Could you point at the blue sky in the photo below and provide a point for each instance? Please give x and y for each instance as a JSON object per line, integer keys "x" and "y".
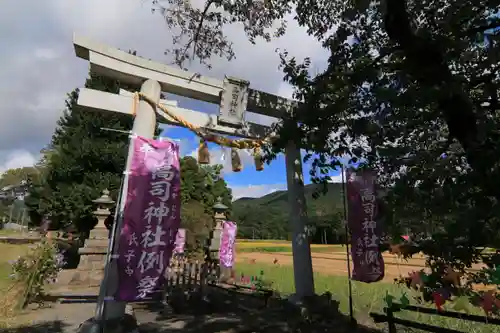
{"x": 248, "y": 182}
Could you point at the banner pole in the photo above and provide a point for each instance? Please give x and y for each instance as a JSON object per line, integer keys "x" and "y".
{"x": 347, "y": 238}
{"x": 100, "y": 308}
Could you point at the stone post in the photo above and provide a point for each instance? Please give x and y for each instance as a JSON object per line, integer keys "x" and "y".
{"x": 219, "y": 217}
{"x": 90, "y": 270}
{"x": 302, "y": 261}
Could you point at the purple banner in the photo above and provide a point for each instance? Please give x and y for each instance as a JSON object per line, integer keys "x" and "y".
{"x": 368, "y": 263}
{"x": 151, "y": 218}
{"x": 180, "y": 241}
{"x": 227, "y": 241}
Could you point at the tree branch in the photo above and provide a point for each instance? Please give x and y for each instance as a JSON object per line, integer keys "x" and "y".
{"x": 200, "y": 25}
{"x": 425, "y": 62}
{"x": 397, "y": 23}
{"x": 482, "y": 28}
{"x": 196, "y": 34}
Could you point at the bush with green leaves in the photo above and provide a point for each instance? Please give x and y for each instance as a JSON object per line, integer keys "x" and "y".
{"x": 36, "y": 269}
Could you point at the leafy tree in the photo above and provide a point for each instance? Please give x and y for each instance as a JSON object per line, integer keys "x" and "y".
{"x": 10, "y": 207}
{"x": 197, "y": 222}
{"x": 19, "y": 175}
{"x": 201, "y": 186}
{"x": 268, "y": 217}
{"x": 406, "y": 83}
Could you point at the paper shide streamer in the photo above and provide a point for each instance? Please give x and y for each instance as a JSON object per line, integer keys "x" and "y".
{"x": 203, "y": 153}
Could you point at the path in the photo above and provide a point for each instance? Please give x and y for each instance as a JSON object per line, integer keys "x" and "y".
{"x": 58, "y": 318}
{"x": 234, "y": 313}
{"x": 224, "y": 313}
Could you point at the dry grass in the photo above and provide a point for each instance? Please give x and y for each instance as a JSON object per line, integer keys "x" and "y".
{"x": 243, "y": 243}
{"x": 273, "y": 242}
{"x": 9, "y": 305}
{"x": 10, "y": 292}
{"x": 279, "y": 246}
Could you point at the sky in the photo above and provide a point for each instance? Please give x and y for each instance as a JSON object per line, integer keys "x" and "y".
{"x": 38, "y": 68}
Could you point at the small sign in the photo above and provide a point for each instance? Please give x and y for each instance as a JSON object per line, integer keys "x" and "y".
{"x": 233, "y": 102}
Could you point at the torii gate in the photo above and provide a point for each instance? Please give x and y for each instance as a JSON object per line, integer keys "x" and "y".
{"x": 152, "y": 78}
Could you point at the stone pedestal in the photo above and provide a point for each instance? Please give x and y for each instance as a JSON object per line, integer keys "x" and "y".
{"x": 90, "y": 270}
{"x": 216, "y": 235}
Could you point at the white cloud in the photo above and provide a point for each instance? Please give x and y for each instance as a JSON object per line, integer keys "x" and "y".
{"x": 255, "y": 191}
{"x": 336, "y": 179}
{"x": 285, "y": 90}
{"x": 39, "y": 67}
{"x": 17, "y": 159}
{"x": 46, "y": 54}
{"x": 220, "y": 155}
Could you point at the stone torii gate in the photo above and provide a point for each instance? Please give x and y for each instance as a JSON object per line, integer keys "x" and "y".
{"x": 234, "y": 98}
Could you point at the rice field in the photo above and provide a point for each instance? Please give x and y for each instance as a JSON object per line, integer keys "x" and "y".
{"x": 279, "y": 246}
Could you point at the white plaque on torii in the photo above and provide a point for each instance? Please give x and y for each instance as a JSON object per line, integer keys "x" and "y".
{"x": 233, "y": 102}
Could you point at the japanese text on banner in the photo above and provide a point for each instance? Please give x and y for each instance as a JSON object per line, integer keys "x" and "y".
{"x": 227, "y": 241}
{"x": 368, "y": 265}
{"x": 151, "y": 218}
{"x": 180, "y": 241}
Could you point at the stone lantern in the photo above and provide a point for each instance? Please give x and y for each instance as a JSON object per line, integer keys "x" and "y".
{"x": 220, "y": 211}
{"x": 103, "y": 206}
{"x": 90, "y": 271}
{"x": 219, "y": 217}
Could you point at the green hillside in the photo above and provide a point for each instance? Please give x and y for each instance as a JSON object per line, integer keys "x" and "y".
{"x": 267, "y": 217}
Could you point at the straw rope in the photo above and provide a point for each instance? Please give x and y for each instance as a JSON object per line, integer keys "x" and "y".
{"x": 255, "y": 144}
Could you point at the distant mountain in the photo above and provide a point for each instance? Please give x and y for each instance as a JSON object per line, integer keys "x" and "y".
{"x": 244, "y": 199}
{"x": 267, "y": 217}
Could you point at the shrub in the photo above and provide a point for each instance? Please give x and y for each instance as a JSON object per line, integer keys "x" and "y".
{"x": 34, "y": 270}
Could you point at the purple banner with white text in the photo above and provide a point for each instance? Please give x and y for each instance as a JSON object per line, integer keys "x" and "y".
{"x": 368, "y": 263}
{"x": 180, "y": 241}
{"x": 151, "y": 218}
{"x": 227, "y": 242}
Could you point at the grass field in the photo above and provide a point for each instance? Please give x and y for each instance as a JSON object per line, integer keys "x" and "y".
{"x": 8, "y": 295}
{"x": 366, "y": 297}
{"x": 8, "y": 232}
{"x": 8, "y": 252}
{"x": 279, "y": 246}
